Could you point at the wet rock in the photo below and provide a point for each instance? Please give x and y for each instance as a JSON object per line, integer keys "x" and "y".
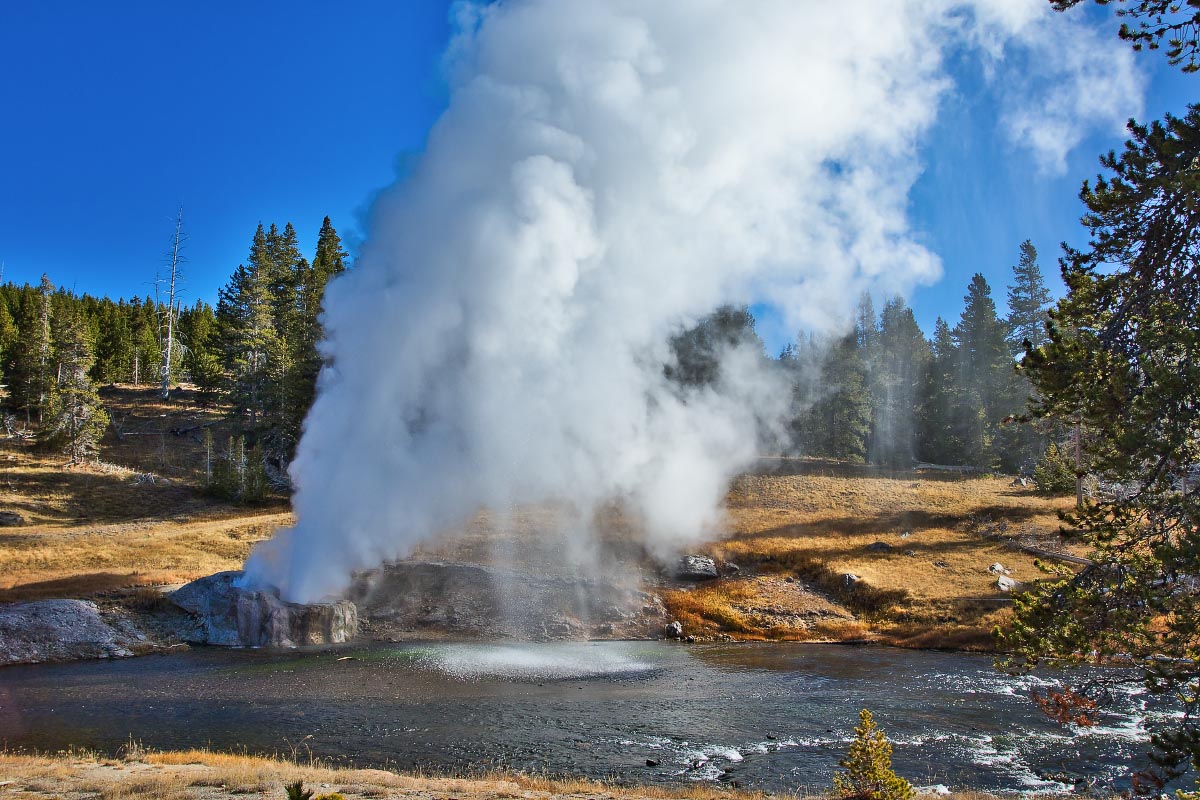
{"x": 64, "y": 630}
{"x": 9, "y": 519}
{"x": 651, "y": 762}
{"x": 879, "y": 547}
{"x": 417, "y": 599}
{"x": 234, "y": 617}
{"x": 696, "y": 568}
{"x": 674, "y": 629}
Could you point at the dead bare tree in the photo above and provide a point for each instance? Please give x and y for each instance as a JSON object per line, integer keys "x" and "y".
{"x": 169, "y": 316}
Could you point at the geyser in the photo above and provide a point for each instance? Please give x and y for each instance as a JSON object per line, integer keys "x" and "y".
{"x": 606, "y": 174}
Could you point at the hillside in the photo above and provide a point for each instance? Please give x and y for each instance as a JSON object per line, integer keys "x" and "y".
{"x": 920, "y": 544}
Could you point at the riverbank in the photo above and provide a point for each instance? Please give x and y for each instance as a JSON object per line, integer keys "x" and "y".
{"x": 206, "y": 775}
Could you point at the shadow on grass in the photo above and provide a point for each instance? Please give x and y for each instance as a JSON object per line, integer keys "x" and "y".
{"x": 78, "y": 587}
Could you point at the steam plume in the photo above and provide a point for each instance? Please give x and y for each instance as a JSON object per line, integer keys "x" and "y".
{"x": 605, "y": 175}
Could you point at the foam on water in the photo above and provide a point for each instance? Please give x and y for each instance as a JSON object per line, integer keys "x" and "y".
{"x": 525, "y": 661}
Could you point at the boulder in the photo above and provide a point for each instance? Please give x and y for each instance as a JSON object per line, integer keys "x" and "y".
{"x": 999, "y": 569}
{"x": 9, "y": 519}
{"x": 62, "y": 630}
{"x": 1006, "y": 584}
{"x": 879, "y": 547}
{"x": 696, "y": 568}
{"x": 231, "y": 616}
{"x": 674, "y": 629}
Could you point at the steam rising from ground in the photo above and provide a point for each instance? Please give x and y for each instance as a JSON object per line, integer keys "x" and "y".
{"x": 605, "y": 175}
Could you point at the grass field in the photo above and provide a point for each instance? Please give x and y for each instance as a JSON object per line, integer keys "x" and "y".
{"x": 804, "y": 526}
{"x": 137, "y": 518}
{"x": 794, "y": 527}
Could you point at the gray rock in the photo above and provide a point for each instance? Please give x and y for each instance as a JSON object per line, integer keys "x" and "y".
{"x": 9, "y": 519}
{"x": 61, "y": 630}
{"x": 1006, "y": 584}
{"x": 419, "y": 599}
{"x": 999, "y": 569}
{"x": 910, "y": 553}
{"x": 236, "y": 617}
{"x": 879, "y": 547}
{"x": 850, "y": 579}
{"x": 674, "y": 629}
{"x": 696, "y": 568}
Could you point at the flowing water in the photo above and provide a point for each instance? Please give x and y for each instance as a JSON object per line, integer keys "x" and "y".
{"x": 774, "y": 716}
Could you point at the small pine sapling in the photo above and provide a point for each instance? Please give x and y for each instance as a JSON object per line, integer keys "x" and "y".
{"x": 868, "y": 771}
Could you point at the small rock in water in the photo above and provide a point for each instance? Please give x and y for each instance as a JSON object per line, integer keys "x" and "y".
{"x": 772, "y": 736}
{"x": 696, "y": 568}
{"x": 651, "y": 762}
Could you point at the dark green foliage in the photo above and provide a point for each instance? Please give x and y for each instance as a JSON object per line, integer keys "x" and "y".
{"x": 1175, "y": 23}
{"x": 1054, "y": 472}
{"x": 74, "y": 419}
{"x": 1028, "y": 300}
{"x": 236, "y": 473}
{"x": 984, "y": 384}
{"x": 199, "y": 335}
{"x": 901, "y": 360}
{"x": 867, "y": 767}
{"x": 296, "y": 791}
{"x": 699, "y": 349}
{"x": 1122, "y": 361}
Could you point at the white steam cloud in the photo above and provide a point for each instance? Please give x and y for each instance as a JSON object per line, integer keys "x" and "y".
{"x": 605, "y": 175}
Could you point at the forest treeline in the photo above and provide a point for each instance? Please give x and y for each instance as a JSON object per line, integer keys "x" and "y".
{"x": 882, "y": 393}
{"x": 256, "y": 351}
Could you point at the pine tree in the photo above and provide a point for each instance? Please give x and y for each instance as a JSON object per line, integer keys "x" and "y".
{"x": 198, "y": 333}
{"x": 901, "y": 363}
{"x": 1028, "y": 300}
{"x": 939, "y": 442}
{"x": 984, "y": 395}
{"x": 306, "y": 361}
{"x": 842, "y": 417}
{"x": 1121, "y": 359}
{"x": 75, "y": 419}
{"x": 1021, "y": 443}
{"x": 248, "y": 336}
{"x": 867, "y": 767}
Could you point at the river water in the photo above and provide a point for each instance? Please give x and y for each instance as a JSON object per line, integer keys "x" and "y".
{"x": 770, "y": 716}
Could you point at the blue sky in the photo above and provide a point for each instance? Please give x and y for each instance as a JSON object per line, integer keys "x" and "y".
{"x": 112, "y": 115}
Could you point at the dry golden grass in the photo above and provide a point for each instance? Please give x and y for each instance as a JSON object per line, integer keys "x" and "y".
{"x": 98, "y": 527}
{"x": 932, "y": 589}
{"x": 195, "y": 774}
{"x": 207, "y": 775}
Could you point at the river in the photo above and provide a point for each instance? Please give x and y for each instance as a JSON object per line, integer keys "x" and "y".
{"x": 771, "y": 716}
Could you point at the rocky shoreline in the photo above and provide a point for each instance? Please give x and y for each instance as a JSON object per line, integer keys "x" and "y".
{"x": 400, "y": 602}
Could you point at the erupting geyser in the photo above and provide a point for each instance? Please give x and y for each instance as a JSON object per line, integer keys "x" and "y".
{"x": 605, "y": 175}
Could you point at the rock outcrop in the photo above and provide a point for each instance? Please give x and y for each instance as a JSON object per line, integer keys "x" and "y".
{"x": 66, "y": 630}
{"x": 225, "y": 614}
{"x": 696, "y": 568}
{"x": 417, "y": 599}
